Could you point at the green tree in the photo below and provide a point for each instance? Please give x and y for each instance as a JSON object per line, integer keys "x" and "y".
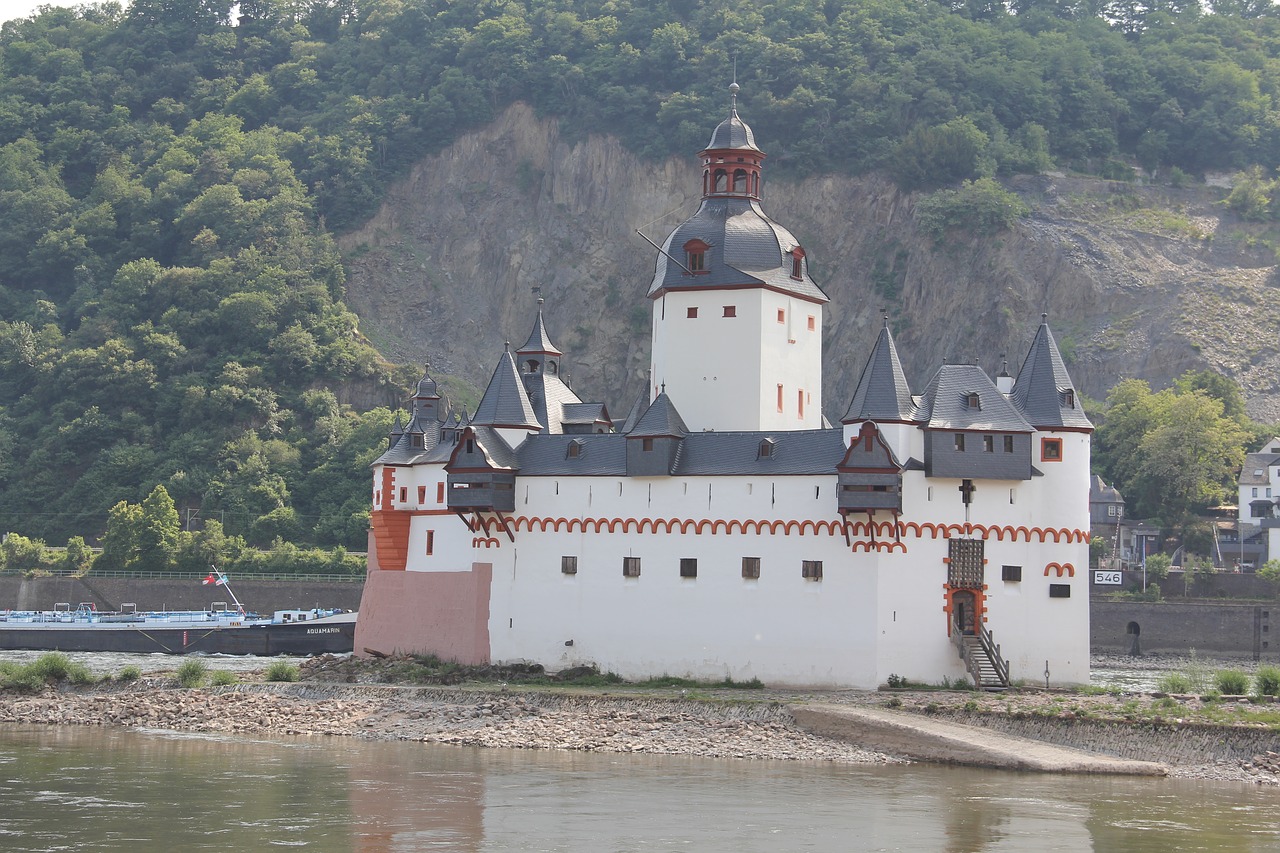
{"x": 158, "y": 527}
{"x": 77, "y": 558}
{"x": 120, "y": 542}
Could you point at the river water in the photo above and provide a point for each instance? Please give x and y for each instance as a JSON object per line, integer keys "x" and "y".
{"x": 111, "y": 789}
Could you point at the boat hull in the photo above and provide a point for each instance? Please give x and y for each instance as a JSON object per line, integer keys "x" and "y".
{"x": 331, "y": 635}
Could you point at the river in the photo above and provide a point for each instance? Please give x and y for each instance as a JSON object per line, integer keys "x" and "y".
{"x": 109, "y": 789}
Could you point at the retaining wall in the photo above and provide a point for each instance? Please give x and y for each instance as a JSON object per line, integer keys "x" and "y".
{"x": 1240, "y": 629}
{"x": 18, "y": 593}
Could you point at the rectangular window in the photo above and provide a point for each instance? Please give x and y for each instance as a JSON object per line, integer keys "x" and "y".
{"x": 691, "y": 313}
{"x": 813, "y": 323}
{"x": 422, "y": 495}
{"x": 631, "y": 567}
{"x": 780, "y": 410}
{"x": 751, "y": 568}
{"x": 1008, "y": 444}
{"x": 960, "y": 442}
{"x": 688, "y": 567}
{"x": 731, "y": 310}
{"x": 439, "y": 493}
{"x": 1050, "y": 450}
{"x": 646, "y": 444}
{"x": 1011, "y": 573}
{"x": 568, "y": 565}
{"x": 404, "y": 494}
{"x": 988, "y": 444}
{"x": 811, "y": 570}
{"x": 782, "y": 315}
{"x": 1255, "y": 492}
{"x": 1059, "y": 590}
{"x": 1111, "y": 510}
{"x": 431, "y": 542}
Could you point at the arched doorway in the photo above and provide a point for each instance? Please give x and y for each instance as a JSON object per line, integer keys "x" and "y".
{"x": 1134, "y": 630}
{"x": 964, "y": 611}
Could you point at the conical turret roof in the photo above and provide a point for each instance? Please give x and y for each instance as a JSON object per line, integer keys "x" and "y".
{"x": 539, "y": 341}
{"x": 505, "y": 403}
{"x": 882, "y": 393}
{"x": 1043, "y": 389}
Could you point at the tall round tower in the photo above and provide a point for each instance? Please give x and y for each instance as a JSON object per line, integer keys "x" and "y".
{"x": 737, "y": 321}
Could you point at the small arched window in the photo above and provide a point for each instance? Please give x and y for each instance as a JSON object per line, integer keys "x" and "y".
{"x": 531, "y": 366}
{"x": 721, "y": 180}
{"x": 740, "y": 181}
{"x": 695, "y": 252}
{"x": 797, "y": 263}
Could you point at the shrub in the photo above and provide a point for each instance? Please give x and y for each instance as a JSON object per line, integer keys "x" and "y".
{"x": 1173, "y": 682}
{"x": 979, "y": 207}
{"x": 192, "y": 673}
{"x": 222, "y": 678}
{"x": 1232, "y": 682}
{"x": 130, "y": 673}
{"x": 281, "y": 671}
{"x": 1267, "y": 681}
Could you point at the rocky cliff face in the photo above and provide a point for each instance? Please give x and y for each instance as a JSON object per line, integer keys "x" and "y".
{"x": 1137, "y": 282}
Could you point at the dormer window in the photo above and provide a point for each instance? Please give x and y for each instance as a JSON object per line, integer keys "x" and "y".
{"x": 575, "y": 449}
{"x": 695, "y": 253}
{"x": 416, "y": 439}
{"x": 766, "y": 448}
{"x": 972, "y": 401}
{"x": 797, "y": 263}
{"x": 1067, "y": 396}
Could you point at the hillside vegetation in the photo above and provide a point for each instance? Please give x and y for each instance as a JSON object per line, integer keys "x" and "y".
{"x": 171, "y": 298}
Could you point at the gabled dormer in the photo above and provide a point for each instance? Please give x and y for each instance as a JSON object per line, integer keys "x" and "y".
{"x": 481, "y": 473}
{"x": 869, "y": 476}
{"x": 653, "y": 447}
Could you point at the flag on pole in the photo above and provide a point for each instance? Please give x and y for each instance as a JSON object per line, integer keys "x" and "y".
{"x": 214, "y": 579}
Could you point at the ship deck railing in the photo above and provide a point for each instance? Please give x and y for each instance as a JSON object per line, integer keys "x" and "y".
{"x": 199, "y": 576}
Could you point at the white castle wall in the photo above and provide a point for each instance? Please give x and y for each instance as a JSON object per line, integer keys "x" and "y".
{"x": 722, "y": 373}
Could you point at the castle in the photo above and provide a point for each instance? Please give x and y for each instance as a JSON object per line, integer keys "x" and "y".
{"x": 724, "y": 529}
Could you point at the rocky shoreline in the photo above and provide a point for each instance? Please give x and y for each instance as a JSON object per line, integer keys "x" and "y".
{"x": 756, "y": 724}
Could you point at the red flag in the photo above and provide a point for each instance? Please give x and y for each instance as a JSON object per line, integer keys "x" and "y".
{"x": 211, "y": 579}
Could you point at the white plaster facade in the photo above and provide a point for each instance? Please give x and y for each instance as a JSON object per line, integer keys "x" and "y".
{"x": 502, "y": 544}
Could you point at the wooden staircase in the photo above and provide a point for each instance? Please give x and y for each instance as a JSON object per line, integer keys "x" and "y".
{"x": 981, "y": 656}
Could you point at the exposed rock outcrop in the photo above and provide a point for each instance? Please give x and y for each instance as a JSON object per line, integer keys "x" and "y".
{"x": 1138, "y": 281}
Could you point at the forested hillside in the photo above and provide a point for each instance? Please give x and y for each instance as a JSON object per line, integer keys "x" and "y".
{"x": 171, "y": 181}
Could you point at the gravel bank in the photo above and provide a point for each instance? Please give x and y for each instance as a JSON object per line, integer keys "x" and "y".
{"x": 755, "y": 730}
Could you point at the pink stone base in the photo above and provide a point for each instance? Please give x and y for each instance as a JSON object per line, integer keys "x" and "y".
{"x": 440, "y": 613}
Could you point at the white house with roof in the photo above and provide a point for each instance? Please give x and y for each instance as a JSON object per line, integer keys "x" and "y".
{"x": 724, "y": 529}
{"x": 1260, "y": 494}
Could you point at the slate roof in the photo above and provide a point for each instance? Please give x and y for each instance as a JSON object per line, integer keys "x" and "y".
{"x": 944, "y": 404}
{"x": 549, "y": 397}
{"x": 638, "y": 408}
{"x": 1100, "y": 492}
{"x": 427, "y": 386}
{"x": 660, "y": 420}
{"x": 882, "y": 393}
{"x": 1039, "y": 389}
{"x": 747, "y": 249}
{"x": 539, "y": 341}
{"x": 497, "y": 453}
{"x": 1256, "y": 468}
{"x": 505, "y": 402}
{"x": 733, "y": 133}
{"x": 794, "y": 453}
{"x": 586, "y": 413}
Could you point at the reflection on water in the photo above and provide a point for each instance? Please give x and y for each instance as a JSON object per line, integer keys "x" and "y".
{"x": 114, "y": 789}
